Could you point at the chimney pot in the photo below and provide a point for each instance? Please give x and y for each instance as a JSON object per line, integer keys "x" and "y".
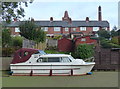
{"x": 32, "y": 19}
{"x": 87, "y": 19}
{"x": 70, "y": 20}
{"x": 51, "y": 19}
{"x": 99, "y": 14}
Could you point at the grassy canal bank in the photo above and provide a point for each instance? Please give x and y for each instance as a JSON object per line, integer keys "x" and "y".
{"x": 97, "y": 79}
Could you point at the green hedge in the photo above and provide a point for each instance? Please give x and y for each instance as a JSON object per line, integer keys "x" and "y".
{"x": 83, "y": 51}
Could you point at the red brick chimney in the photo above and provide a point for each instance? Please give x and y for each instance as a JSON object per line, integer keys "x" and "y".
{"x": 70, "y": 21}
{"x": 32, "y": 19}
{"x": 51, "y": 19}
{"x": 87, "y": 19}
{"x": 99, "y": 14}
{"x": 66, "y": 16}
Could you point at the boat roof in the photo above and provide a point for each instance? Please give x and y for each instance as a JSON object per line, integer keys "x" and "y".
{"x": 55, "y": 55}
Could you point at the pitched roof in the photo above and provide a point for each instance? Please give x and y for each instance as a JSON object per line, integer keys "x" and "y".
{"x": 64, "y": 24}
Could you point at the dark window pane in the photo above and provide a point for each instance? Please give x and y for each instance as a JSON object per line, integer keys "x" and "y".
{"x": 54, "y": 59}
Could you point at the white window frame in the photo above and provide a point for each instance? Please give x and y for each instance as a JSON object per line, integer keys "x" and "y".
{"x": 56, "y": 29}
{"x": 74, "y": 29}
{"x": 82, "y": 28}
{"x": 17, "y": 29}
{"x": 83, "y": 39}
{"x": 104, "y": 28}
{"x": 44, "y": 28}
{"x": 95, "y": 28}
{"x": 66, "y": 29}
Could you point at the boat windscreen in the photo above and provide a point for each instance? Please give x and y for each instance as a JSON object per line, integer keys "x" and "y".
{"x": 71, "y": 58}
{"x": 42, "y": 52}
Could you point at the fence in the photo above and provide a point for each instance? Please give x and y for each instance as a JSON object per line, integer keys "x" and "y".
{"x": 107, "y": 59}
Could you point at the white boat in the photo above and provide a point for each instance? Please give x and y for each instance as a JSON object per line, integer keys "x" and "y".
{"x": 35, "y": 62}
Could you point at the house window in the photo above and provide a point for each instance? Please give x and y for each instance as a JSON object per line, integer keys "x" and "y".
{"x": 44, "y": 28}
{"x": 83, "y": 39}
{"x": 83, "y": 28}
{"x": 66, "y": 29}
{"x": 95, "y": 28}
{"x": 74, "y": 29}
{"x": 104, "y": 28}
{"x": 17, "y": 29}
{"x": 56, "y": 28}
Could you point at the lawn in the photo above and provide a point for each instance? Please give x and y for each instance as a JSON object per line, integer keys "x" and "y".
{"x": 97, "y": 79}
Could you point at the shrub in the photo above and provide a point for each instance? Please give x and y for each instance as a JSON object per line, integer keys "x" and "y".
{"x": 6, "y": 38}
{"x": 17, "y": 41}
{"x": 83, "y": 51}
{"x": 108, "y": 44}
{"x": 115, "y": 40}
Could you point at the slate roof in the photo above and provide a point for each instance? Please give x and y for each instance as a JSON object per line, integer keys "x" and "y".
{"x": 64, "y": 24}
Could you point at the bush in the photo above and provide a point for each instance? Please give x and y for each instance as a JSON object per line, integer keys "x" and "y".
{"x": 6, "y": 38}
{"x": 115, "y": 40}
{"x": 9, "y": 51}
{"x": 108, "y": 44}
{"x": 17, "y": 41}
{"x": 83, "y": 51}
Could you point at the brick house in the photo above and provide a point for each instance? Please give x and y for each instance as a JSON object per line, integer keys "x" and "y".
{"x": 65, "y": 45}
{"x": 65, "y": 26}
{"x": 84, "y": 40}
{"x": 68, "y": 45}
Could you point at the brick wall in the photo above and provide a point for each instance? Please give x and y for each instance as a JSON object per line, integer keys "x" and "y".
{"x": 88, "y": 41}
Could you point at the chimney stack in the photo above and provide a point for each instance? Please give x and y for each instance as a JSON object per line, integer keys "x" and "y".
{"x": 99, "y": 14}
{"x": 87, "y": 19}
{"x": 51, "y": 19}
{"x": 70, "y": 20}
{"x": 66, "y": 16}
{"x": 32, "y": 19}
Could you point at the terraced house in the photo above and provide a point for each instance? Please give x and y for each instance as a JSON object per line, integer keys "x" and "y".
{"x": 66, "y": 26}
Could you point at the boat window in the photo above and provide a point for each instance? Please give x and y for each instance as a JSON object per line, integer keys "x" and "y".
{"x": 71, "y": 58}
{"x": 50, "y": 59}
{"x": 40, "y": 52}
{"x": 39, "y": 60}
{"x": 20, "y": 54}
{"x": 65, "y": 59}
{"x": 42, "y": 59}
{"x": 53, "y": 59}
{"x": 25, "y": 53}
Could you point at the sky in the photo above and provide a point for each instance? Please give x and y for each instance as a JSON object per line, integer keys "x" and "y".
{"x": 77, "y": 10}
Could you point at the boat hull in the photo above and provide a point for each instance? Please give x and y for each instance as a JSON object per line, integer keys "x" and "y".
{"x": 49, "y": 70}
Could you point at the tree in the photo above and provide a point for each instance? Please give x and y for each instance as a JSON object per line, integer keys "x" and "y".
{"x": 83, "y": 51}
{"x": 6, "y": 38}
{"x": 114, "y": 28}
{"x": 114, "y": 32}
{"x": 31, "y": 31}
{"x": 12, "y": 10}
{"x": 104, "y": 34}
{"x": 17, "y": 41}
